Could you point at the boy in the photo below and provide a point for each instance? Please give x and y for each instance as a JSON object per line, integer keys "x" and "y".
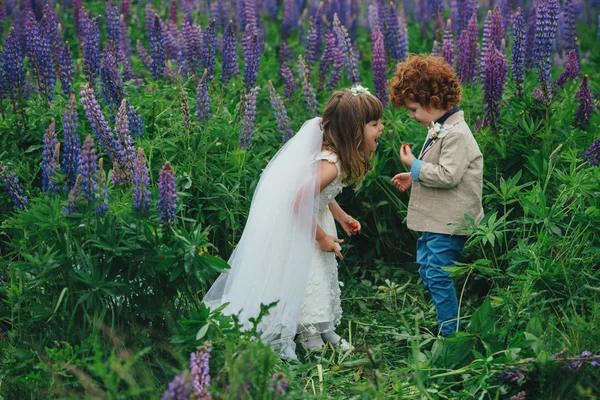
{"x": 446, "y": 179}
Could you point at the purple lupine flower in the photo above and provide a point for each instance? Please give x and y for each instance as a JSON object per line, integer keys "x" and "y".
{"x": 288, "y": 79}
{"x": 113, "y": 22}
{"x": 136, "y": 125}
{"x": 49, "y": 27}
{"x": 345, "y": 44}
{"x": 592, "y": 154}
{"x": 74, "y": 197}
{"x": 435, "y": 49}
{"x": 209, "y": 50}
{"x": 290, "y": 17}
{"x": 13, "y": 71}
{"x": 571, "y": 71}
{"x": 11, "y": 184}
{"x": 336, "y": 71}
{"x": 100, "y": 127}
{"x": 518, "y": 51}
{"x": 91, "y": 49}
{"x": 141, "y": 180}
{"x": 586, "y": 103}
{"x": 65, "y": 68}
{"x": 373, "y": 16}
{"x": 466, "y": 61}
{"x": 144, "y": 56}
{"x": 126, "y": 10}
{"x": 545, "y": 31}
{"x": 123, "y": 134}
{"x": 72, "y": 146}
{"x": 123, "y": 51}
{"x": 200, "y": 370}
{"x": 191, "y": 46}
{"x": 448, "y": 44}
{"x": 88, "y": 170}
{"x": 530, "y": 59}
{"x": 230, "y": 61}
{"x": 39, "y": 54}
{"x": 326, "y": 59}
{"x": 250, "y": 15}
{"x": 379, "y": 65}
{"x": 149, "y": 14}
{"x": 252, "y": 61}
{"x": 513, "y": 376}
{"x": 172, "y": 19}
{"x": 178, "y": 389}
{"x": 102, "y": 194}
{"x": 248, "y": 117}
{"x": 402, "y": 38}
{"x": 203, "y": 100}
{"x": 286, "y": 52}
{"x": 185, "y": 107}
{"x": 570, "y": 31}
{"x": 167, "y": 190}
{"x": 158, "y": 51}
{"x": 50, "y": 160}
{"x": 312, "y": 40}
{"x": 111, "y": 83}
{"x": 281, "y": 116}
{"x": 485, "y": 42}
{"x": 309, "y": 92}
{"x": 496, "y": 68}
{"x": 279, "y": 384}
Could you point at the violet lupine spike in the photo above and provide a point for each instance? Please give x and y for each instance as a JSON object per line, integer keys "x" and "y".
{"x": 312, "y": 38}
{"x": 50, "y": 164}
{"x": 125, "y": 10}
{"x": 11, "y": 184}
{"x": 248, "y": 117}
{"x": 72, "y": 147}
{"x": 448, "y": 44}
{"x": 592, "y": 154}
{"x": 209, "y": 50}
{"x": 230, "y": 61}
{"x": 39, "y": 54}
{"x": 373, "y": 16}
{"x": 336, "y": 71}
{"x": 309, "y": 92}
{"x": 178, "y": 389}
{"x": 279, "y": 385}
{"x": 518, "y": 51}
{"x": 49, "y": 27}
{"x": 252, "y": 61}
{"x": 545, "y": 33}
{"x": 346, "y": 46}
{"x": 200, "y": 370}
{"x": 570, "y": 31}
{"x": 171, "y": 35}
{"x": 149, "y": 14}
{"x": 185, "y": 107}
{"x": 288, "y": 79}
{"x": 326, "y": 59}
{"x": 136, "y": 125}
{"x": 65, "y": 68}
{"x": 102, "y": 193}
{"x": 144, "y": 56}
{"x": 485, "y": 42}
{"x": 281, "y": 116}
{"x": 172, "y": 19}
{"x": 13, "y": 70}
{"x": 91, "y": 49}
{"x": 496, "y": 68}
{"x": 530, "y": 57}
{"x": 392, "y": 33}
{"x": 123, "y": 133}
{"x": 111, "y": 83}
{"x": 158, "y": 50}
{"x": 141, "y": 181}
{"x": 290, "y": 17}
{"x": 571, "y": 71}
{"x": 402, "y": 39}
{"x": 191, "y": 46}
{"x": 586, "y": 103}
{"x": 286, "y": 52}
{"x": 497, "y": 28}
{"x": 379, "y": 66}
{"x": 74, "y": 197}
{"x": 113, "y": 22}
{"x": 100, "y": 127}
{"x": 466, "y": 60}
{"x": 167, "y": 191}
{"x": 88, "y": 170}
{"x": 203, "y": 100}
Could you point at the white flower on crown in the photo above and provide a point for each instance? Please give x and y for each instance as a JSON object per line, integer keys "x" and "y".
{"x": 437, "y": 130}
{"x": 358, "y": 89}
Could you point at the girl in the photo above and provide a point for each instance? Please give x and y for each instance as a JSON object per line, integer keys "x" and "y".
{"x": 286, "y": 255}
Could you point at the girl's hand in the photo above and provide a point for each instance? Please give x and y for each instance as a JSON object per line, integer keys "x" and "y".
{"x": 403, "y": 181}
{"x": 350, "y": 225}
{"x": 329, "y": 244}
{"x": 406, "y": 155}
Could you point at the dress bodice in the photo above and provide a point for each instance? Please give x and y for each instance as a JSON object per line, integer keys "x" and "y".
{"x": 335, "y": 187}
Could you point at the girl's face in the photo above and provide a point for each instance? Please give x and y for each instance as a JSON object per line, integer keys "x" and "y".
{"x": 424, "y": 116}
{"x": 372, "y": 132}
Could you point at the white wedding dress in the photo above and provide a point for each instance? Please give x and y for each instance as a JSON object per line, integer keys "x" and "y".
{"x": 321, "y": 309}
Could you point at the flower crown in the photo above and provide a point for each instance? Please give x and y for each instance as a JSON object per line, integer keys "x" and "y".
{"x": 358, "y": 89}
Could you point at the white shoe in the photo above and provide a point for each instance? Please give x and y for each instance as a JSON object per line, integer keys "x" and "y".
{"x": 311, "y": 343}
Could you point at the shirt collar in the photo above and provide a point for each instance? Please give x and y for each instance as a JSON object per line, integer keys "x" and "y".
{"x": 444, "y": 117}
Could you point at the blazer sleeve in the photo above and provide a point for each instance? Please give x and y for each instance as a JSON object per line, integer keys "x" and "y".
{"x": 453, "y": 163}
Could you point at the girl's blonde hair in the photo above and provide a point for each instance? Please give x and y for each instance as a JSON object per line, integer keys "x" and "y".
{"x": 344, "y": 119}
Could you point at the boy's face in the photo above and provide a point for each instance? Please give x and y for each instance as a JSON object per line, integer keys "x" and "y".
{"x": 372, "y": 132}
{"x": 424, "y": 116}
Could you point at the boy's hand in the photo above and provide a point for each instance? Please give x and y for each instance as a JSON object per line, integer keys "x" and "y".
{"x": 403, "y": 181}
{"x": 406, "y": 155}
{"x": 329, "y": 244}
{"x": 350, "y": 226}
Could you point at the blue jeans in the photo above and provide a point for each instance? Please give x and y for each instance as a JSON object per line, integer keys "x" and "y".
{"x": 434, "y": 251}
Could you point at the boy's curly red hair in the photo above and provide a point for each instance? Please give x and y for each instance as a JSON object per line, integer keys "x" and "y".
{"x": 427, "y": 80}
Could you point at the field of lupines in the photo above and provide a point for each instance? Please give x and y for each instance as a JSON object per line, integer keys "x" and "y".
{"x": 132, "y": 136}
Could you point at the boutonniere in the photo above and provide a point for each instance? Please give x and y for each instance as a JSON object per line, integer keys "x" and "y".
{"x": 438, "y": 131}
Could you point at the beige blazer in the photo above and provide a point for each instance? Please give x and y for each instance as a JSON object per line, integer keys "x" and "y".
{"x": 450, "y": 182}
